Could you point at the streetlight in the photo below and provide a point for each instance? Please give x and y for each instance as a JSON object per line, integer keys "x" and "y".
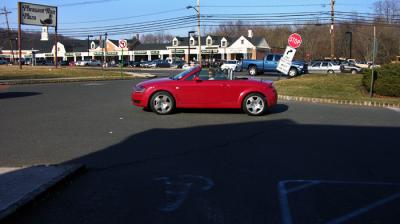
{"x": 190, "y": 32}
{"x": 198, "y": 27}
{"x": 88, "y": 45}
{"x": 350, "y": 41}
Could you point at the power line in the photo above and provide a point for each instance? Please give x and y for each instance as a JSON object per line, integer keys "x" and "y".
{"x": 126, "y": 17}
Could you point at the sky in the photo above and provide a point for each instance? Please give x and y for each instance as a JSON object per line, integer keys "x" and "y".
{"x": 83, "y": 14}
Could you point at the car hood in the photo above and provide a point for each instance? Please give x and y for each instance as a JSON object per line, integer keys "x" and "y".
{"x": 155, "y": 81}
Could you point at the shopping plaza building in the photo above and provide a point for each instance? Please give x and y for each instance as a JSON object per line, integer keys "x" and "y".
{"x": 212, "y": 47}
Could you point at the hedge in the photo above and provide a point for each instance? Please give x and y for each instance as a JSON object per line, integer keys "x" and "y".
{"x": 387, "y": 80}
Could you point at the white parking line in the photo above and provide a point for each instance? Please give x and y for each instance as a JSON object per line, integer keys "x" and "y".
{"x": 394, "y": 109}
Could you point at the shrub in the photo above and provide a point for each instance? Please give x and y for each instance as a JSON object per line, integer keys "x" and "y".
{"x": 387, "y": 80}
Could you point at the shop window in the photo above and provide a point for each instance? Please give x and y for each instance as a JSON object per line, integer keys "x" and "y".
{"x": 192, "y": 42}
{"x": 209, "y": 41}
{"x": 175, "y": 43}
{"x": 242, "y": 41}
{"x": 223, "y": 44}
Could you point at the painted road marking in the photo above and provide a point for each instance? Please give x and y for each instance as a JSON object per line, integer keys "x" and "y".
{"x": 177, "y": 189}
{"x": 284, "y": 199}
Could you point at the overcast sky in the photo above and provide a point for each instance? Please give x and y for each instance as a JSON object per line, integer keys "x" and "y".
{"x": 87, "y": 13}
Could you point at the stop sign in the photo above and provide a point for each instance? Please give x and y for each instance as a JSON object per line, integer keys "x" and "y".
{"x": 294, "y": 40}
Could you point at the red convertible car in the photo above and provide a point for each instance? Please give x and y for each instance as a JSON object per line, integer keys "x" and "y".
{"x": 195, "y": 88}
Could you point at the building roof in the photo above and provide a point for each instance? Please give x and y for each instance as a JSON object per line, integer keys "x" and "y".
{"x": 132, "y": 43}
{"x": 151, "y": 46}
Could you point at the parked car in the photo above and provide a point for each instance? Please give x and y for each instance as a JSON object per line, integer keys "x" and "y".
{"x": 63, "y": 63}
{"x": 3, "y": 62}
{"x": 230, "y": 64}
{"x": 91, "y": 62}
{"x": 323, "y": 67}
{"x": 196, "y": 89}
{"x": 269, "y": 65}
{"x": 145, "y": 64}
{"x": 177, "y": 64}
{"x": 347, "y": 67}
{"x": 134, "y": 64}
{"x": 361, "y": 64}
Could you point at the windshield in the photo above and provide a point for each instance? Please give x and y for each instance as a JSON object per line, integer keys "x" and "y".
{"x": 182, "y": 74}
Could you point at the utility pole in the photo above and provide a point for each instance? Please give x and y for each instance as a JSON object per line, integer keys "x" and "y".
{"x": 371, "y": 93}
{"x": 332, "y": 29}
{"x": 198, "y": 31}
{"x": 105, "y": 48}
{"x": 5, "y": 12}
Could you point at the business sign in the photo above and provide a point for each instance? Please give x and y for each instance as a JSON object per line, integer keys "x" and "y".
{"x": 122, "y": 43}
{"x": 155, "y": 52}
{"x": 38, "y": 15}
{"x": 295, "y": 40}
{"x": 286, "y": 60}
{"x": 140, "y": 52}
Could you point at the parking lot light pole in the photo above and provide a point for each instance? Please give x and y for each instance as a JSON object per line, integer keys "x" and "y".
{"x": 198, "y": 27}
{"x": 190, "y": 32}
{"x": 350, "y": 41}
{"x": 88, "y": 45}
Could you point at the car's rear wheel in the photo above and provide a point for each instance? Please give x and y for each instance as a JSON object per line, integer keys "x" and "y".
{"x": 353, "y": 71}
{"x": 252, "y": 70}
{"x": 330, "y": 72}
{"x": 254, "y": 104}
{"x": 162, "y": 103}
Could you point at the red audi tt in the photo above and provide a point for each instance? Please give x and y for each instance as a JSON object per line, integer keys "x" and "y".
{"x": 195, "y": 88}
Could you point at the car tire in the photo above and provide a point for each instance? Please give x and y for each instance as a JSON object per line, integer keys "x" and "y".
{"x": 292, "y": 72}
{"x": 253, "y": 70}
{"x": 254, "y": 104}
{"x": 353, "y": 71}
{"x": 330, "y": 72}
{"x": 162, "y": 103}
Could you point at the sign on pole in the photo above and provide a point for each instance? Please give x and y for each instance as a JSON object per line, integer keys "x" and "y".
{"x": 38, "y": 15}
{"x": 285, "y": 63}
{"x": 122, "y": 43}
{"x": 286, "y": 60}
{"x": 294, "y": 40}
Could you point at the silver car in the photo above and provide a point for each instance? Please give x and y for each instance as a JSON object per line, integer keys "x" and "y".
{"x": 323, "y": 67}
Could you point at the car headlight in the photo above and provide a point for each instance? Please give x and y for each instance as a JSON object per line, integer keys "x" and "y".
{"x": 139, "y": 89}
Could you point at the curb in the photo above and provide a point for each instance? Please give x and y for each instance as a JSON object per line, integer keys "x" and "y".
{"x": 344, "y": 102}
{"x": 70, "y": 171}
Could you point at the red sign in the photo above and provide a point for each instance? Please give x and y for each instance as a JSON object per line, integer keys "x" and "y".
{"x": 122, "y": 43}
{"x": 294, "y": 40}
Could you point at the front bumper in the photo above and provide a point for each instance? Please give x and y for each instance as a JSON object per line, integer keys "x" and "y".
{"x": 138, "y": 99}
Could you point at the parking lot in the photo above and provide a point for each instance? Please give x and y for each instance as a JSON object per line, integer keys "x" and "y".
{"x": 300, "y": 163}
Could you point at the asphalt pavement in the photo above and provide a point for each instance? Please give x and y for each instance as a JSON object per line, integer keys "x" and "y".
{"x": 300, "y": 163}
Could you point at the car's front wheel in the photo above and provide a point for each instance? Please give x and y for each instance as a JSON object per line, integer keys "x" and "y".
{"x": 353, "y": 71}
{"x": 254, "y": 104}
{"x": 162, "y": 103}
{"x": 330, "y": 72}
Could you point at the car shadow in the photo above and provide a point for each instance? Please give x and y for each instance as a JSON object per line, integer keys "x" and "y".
{"x": 230, "y": 172}
{"x": 279, "y": 108}
{"x": 7, "y": 95}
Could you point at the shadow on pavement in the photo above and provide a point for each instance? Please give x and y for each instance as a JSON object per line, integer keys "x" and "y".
{"x": 231, "y": 174}
{"x": 6, "y": 95}
{"x": 279, "y": 108}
